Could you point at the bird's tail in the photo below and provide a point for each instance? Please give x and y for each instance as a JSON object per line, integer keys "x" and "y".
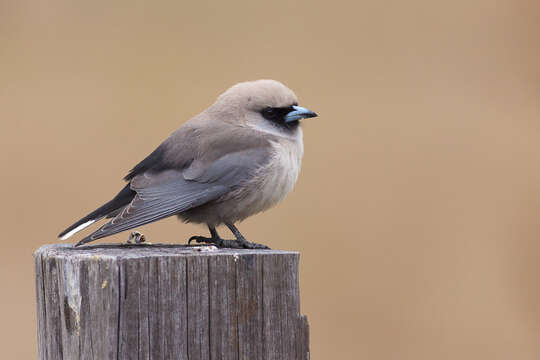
{"x": 123, "y": 198}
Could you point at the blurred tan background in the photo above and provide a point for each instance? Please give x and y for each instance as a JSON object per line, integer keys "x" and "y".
{"x": 417, "y": 212}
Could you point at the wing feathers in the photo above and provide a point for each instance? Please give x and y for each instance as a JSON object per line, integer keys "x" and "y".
{"x": 140, "y": 212}
{"x": 169, "y": 192}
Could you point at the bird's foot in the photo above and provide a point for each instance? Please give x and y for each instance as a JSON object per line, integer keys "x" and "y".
{"x": 226, "y": 244}
{"x": 136, "y": 237}
{"x": 249, "y": 245}
{"x": 206, "y": 240}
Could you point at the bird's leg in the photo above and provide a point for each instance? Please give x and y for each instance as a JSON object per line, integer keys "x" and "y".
{"x": 241, "y": 240}
{"x": 239, "y": 243}
{"x": 137, "y": 237}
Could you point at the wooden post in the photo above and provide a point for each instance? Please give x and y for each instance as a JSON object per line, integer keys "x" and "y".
{"x": 168, "y": 302}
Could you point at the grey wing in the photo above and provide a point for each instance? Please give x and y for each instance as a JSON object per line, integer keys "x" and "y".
{"x": 173, "y": 191}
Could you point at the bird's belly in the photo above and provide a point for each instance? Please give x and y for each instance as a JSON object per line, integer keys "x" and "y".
{"x": 277, "y": 183}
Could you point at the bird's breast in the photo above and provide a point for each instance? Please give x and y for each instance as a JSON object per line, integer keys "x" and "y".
{"x": 272, "y": 182}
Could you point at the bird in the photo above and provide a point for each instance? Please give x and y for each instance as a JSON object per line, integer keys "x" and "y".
{"x": 239, "y": 157}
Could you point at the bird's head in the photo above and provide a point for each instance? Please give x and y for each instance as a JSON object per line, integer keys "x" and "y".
{"x": 265, "y": 105}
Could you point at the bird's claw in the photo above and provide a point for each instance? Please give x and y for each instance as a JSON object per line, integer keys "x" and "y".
{"x": 136, "y": 237}
{"x": 205, "y": 240}
{"x": 227, "y": 244}
{"x": 250, "y": 245}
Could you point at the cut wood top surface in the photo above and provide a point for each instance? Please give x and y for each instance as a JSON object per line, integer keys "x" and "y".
{"x": 147, "y": 250}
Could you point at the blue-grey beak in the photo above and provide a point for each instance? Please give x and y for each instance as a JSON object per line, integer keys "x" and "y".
{"x": 299, "y": 113}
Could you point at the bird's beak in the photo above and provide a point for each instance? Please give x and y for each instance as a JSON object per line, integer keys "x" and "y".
{"x": 299, "y": 113}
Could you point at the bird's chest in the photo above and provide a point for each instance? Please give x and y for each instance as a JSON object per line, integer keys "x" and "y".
{"x": 282, "y": 172}
{"x": 274, "y": 180}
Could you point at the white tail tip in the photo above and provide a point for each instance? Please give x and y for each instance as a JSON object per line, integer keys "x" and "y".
{"x": 77, "y": 229}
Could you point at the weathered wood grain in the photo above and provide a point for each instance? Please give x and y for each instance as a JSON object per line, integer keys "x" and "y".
{"x": 168, "y": 302}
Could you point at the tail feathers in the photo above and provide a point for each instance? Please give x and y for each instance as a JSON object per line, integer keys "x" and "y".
{"x": 123, "y": 198}
{"x": 66, "y": 234}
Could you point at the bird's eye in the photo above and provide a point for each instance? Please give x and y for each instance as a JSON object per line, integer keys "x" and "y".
{"x": 269, "y": 113}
